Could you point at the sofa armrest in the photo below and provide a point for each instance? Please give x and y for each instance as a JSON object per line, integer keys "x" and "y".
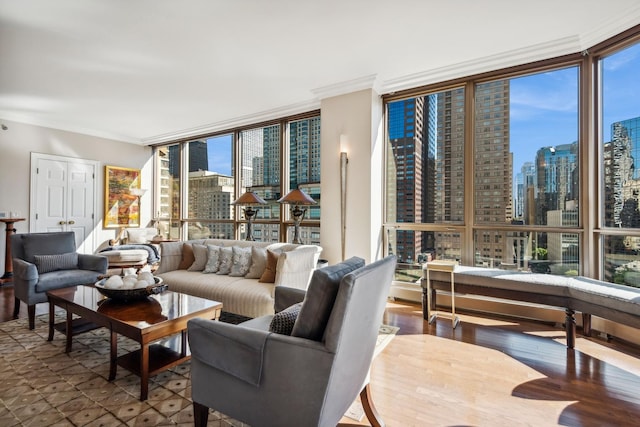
{"x": 91, "y": 262}
{"x": 232, "y": 349}
{"x": 286, "y": 297}
{"x": 24, "y": 271}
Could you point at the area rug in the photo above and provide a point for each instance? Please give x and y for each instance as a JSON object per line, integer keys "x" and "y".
{"x": 40, "y": 385}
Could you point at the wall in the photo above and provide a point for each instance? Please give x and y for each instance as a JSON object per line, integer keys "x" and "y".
{"x": 354, "y": 118}
{"x": 20, "y": 140}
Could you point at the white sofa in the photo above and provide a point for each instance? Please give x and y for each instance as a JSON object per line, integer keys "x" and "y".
{"x": 240, "y": 295}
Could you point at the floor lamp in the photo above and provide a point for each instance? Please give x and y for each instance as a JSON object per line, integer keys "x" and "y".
{"x": 295, "y": 198}
{"x": 250, "y": 200}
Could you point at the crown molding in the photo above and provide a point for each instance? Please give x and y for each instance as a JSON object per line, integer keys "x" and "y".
{"x": 348, "y": 86}
{"x": 628, "y": 18}
{"x": 509, "y": 58}
{"x": 236, "y": 122}
{"x": 56, "y": 126}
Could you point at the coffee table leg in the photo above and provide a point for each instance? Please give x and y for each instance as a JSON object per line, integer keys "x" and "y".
{"x": 144, "y": 371}
{"x": 51, "y": 320}
{"x": 69, "y": 331}
{"x": 183, "y": 344}
{"x": 113, "y": 356}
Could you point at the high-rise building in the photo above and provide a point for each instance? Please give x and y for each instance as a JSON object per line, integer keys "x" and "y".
{"x": 493, "y": 172}
{"x": 556, "y": 185}
{"x": 198, "y": 158}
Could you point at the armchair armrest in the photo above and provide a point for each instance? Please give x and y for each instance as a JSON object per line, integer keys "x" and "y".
{"x": 24, "y": 270}
{"x": 286, "y": 297}
{"x": 91, "y": 262}
{"x": 235, "y": 350}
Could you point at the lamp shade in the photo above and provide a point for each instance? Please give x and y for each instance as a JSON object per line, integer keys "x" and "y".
{"x": 297, "y": 197}
{"x": 249, "y": 198}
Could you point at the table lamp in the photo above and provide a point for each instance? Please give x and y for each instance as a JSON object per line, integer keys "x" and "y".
{"x": 295, "y": 198}
{"x": 250, "y": 200}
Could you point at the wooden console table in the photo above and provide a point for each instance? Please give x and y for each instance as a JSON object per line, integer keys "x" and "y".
{"x": 8, "y": 259}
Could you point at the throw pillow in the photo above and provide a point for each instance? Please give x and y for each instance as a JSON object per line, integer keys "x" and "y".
{"x": 240, "y": 261}
{"x": 201, "y": 255}
{"x": 187, "y": 257}
{"x": 282, "y": 322}
{"x": 226, "y": 260}
{"x": 269, "y": 275}
{"x": 47, "y": 263}
{"x": 137, "y": 235}
{"x": 213, "y": 259}
{"x": 258, "y": 263}
{"x": 321, "y": 294}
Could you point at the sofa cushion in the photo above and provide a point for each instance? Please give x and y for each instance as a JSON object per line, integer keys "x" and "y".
{"x": 269, "y": 274}
{"x": 240, "y": 261}
{"x": 226, "y": 260}
{"x": 213, "y": 259}
{"x": 201, "y": 255}
{"x": 318, "y": 302}
{"x": 187, "y": 256}
{"x": 258, "y": 263}
{"x": 47, "y": 263}
{"x": 283, "y": 321}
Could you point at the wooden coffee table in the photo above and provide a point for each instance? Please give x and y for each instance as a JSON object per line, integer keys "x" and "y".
{"x": 147, "y": 321}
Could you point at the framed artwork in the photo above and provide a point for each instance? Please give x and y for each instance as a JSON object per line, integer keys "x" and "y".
{"x": 121, "y": 197}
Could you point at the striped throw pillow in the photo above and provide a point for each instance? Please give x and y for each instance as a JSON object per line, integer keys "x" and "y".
{"x": 47, "y": 263}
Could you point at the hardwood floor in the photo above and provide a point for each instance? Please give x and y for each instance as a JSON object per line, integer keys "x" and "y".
{"x": 490, "y": 372}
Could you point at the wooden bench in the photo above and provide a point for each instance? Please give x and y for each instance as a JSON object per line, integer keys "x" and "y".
{"x": 609, "y": 301}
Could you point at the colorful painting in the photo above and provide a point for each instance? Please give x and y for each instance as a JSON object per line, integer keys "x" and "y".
{"x": 121, "y": 197}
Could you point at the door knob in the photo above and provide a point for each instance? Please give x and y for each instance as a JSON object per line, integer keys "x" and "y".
{"x": 62, "y": 223}
{"x": 71, "y": 222}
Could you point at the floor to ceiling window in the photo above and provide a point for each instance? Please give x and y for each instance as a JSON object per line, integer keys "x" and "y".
{"x": 508, "y": 180}
{"x": 620, "y": 157}
{"x": 199, "y": 179}
{"x": 425, "y": 179}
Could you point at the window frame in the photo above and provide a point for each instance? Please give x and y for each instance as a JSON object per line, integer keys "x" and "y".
{"x": 284, "y": 222}
{"x": 590, "y": 230}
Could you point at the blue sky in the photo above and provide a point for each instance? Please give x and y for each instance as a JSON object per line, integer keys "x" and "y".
{"x": 219, "y": 151}
{"x": 544, "y": 107}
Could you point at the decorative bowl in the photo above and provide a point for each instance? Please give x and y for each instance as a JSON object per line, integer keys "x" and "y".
{"x": 131, "y": 294}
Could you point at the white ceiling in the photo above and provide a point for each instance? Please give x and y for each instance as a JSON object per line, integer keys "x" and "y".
{"x": 146, "y": 71}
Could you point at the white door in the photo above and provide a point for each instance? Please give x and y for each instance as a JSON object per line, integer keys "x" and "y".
{"x": 63, "y": 196}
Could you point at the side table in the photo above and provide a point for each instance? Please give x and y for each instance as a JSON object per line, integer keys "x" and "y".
{"x": 8, "y": 259}
{"x": 446, "y": 266}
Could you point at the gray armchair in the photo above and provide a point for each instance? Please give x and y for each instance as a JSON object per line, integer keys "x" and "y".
{"x": 308, "y": 378}
{"x": 46, "y": 261}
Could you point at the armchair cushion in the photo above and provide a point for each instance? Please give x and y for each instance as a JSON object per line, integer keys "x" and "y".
{"x": 46, "y": 244}
{"x": 47, "y": 263}
{"x": 283, "y": 321}
{"x": 321, "y": 295}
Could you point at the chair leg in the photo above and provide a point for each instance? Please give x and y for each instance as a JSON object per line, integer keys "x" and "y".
{"x": 369, "y": 408}
{"x": 200, "y": 414}
{"x": 31, "y": 311}
{"x": 16, "y": 308}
